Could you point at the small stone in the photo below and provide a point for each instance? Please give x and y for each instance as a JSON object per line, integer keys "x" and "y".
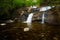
{"x": 2, "y": 24}
{"x": 42, "y": 35}
{"x": 26, "y": 29}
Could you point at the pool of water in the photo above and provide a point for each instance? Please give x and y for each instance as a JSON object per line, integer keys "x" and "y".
{"x": 30, "y": 31}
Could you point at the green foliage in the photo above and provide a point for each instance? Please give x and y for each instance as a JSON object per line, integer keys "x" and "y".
{"x": 6, "y": 3}
{"x": 27, "y": 2}
{"x": 19, "y": 2}
{"x": 5, "y": 7}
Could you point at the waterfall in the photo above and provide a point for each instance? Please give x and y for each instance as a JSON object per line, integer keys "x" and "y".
{"x": 46, "y": 8}
{"x": 43, "y": 18}
{"x": 43, "y": 9}
{"x": 28, "y": 21}
{"x": 29, "y": 18}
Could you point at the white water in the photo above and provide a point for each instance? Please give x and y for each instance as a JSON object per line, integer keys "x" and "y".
{"x": 46, "y": 8}
{"x": 43, "y": 9}
{"x": 29, "y": 19}
{"x": 43, "y": 18}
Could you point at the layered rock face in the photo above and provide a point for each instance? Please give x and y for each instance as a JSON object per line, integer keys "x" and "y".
{"x": 51, "y": 16}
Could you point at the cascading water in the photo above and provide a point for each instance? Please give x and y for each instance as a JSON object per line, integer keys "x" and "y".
{"x": 46, "y": 8}
{"x": 43, "y": 9}
{"x": 29, "y": 18}
{"x": 43, "y": 18}
{"x": 28, "y": 21}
